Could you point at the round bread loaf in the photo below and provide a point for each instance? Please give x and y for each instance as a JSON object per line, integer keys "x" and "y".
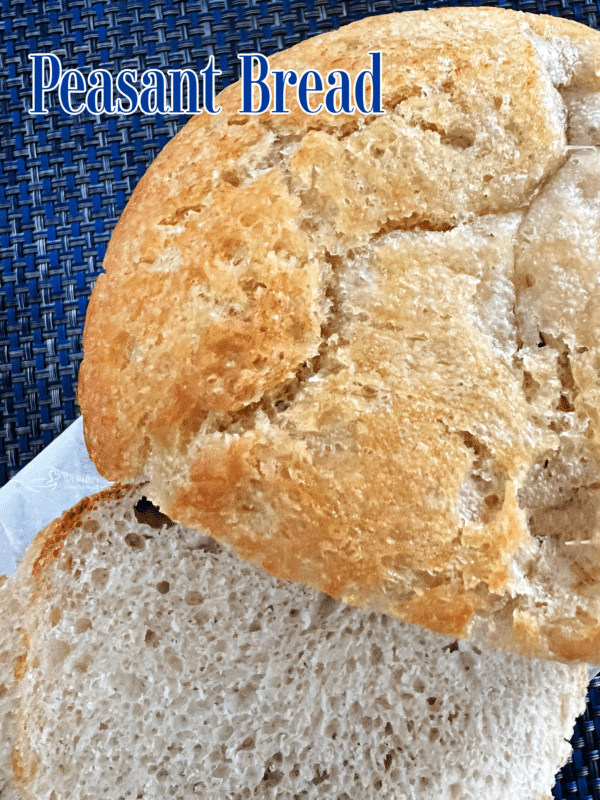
{"x": 362, "y": 349}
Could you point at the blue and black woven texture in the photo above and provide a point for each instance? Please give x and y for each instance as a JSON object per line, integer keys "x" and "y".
{"x": 580, "y": 778}
{"x": 64, "y": 181}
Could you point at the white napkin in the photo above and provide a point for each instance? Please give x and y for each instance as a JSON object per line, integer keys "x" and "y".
{"x": 52, "y": 483}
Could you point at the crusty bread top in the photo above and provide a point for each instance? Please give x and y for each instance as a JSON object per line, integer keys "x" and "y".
{"x": 341, "y": 343}
{"x": 159, "y": 664}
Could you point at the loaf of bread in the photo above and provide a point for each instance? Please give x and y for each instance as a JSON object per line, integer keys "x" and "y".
{"x": 363, "y": 349}
{"x": 159, "y": 664}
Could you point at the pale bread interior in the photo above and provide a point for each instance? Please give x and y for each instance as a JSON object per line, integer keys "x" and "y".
{"x": 161, "y": 665}
{"x": 12, "y": 664}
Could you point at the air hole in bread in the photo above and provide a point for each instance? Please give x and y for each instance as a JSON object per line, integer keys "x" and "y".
{"x": 83, "y": 625}
{"x": 231, "y": 177}
{"x": 100, "y": 577}
{"x": 247, "y": 744}
{"x": 57, "y": 651}
{"x": 83, "y": 664}
{"x": 194, "y": 598}
{"x": 451, "y": 648}
{"x": 149, "y": 514}
{"x": 86, "y": 546}
{"x": 565, "y": 405}
{"x": 135, "y": 541}
{"x": 273, "y": 778}
{"x": 151, "y": 639}
{"x": 433, "y": 735}
{"x": 531, "y": 387}
{"x": 321, "y": 775}
{"x": 483, "y": 489}
{"x": 376, "y": 654}
{"x": 251, "y": 286}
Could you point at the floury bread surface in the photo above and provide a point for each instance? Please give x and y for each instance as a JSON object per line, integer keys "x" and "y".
{"x": 363, "y": 349}
{"x": 159, "y": 664}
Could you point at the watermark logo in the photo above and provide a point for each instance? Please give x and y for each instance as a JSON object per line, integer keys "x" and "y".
{"x": 55, "y": 479}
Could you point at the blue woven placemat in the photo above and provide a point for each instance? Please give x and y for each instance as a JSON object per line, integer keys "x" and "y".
{"x": 580, "y": 778}
{"x": 64, "y": 181}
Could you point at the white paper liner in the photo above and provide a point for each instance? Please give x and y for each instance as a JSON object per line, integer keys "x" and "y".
{"x": 49, "y": 485}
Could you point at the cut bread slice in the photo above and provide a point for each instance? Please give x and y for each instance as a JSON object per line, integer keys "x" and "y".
{"x": 12, "y": 664}
{"x": 160, "y": 665}
{"x": 362, "y": 349}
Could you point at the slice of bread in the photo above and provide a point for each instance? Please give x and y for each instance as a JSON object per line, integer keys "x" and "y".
{"x": 162, "y": 665}
{"x": 363, "y": 349}
{"x": 12, "y": 665}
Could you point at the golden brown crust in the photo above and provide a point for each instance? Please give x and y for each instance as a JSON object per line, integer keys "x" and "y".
{"x": 46, "y": 546}
{"x": 215, "y": 260}
{"x": 292, "y": 340}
